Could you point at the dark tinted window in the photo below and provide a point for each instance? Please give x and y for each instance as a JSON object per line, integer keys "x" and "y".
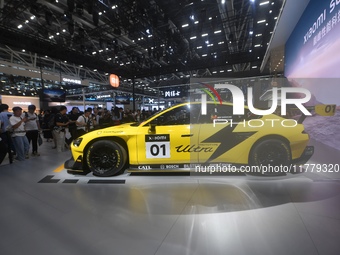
{"x": 184, "y": 115}
{"x": 217, "y": 111}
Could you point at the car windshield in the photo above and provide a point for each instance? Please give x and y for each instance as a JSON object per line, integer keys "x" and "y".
{"x": 143, "y": 122}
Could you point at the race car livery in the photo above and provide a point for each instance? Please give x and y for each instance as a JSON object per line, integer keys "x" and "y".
{"x": 177, "y": 138}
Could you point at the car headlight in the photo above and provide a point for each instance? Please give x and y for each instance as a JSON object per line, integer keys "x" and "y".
{"x": 77, "y": 142}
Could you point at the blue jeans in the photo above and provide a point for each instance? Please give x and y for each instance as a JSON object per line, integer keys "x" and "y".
{"x": 21, "y": 146}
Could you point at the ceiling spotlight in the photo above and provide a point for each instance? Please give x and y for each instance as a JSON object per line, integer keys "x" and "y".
{"x": 263, "y": 3}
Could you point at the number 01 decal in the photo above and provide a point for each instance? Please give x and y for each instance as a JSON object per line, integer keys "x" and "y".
{"x": 157, "y": 146}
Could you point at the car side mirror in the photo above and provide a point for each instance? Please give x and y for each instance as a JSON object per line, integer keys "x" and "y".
{"x": 153, "y": 125}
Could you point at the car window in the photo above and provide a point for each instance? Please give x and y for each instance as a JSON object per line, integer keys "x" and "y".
{"x": 183, "y": 115}
{"x": 217, "y": 111}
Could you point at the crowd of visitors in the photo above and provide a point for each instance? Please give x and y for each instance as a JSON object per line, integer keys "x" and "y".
{"x": 22, "y": 130}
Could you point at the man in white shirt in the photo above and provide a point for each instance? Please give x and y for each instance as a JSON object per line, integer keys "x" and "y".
{"x": 83, "y": 124}
{"x": 19, "y": 135}
{"x": 32, "y": 128}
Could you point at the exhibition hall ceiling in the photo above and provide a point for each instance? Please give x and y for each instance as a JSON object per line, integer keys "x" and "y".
{"x": 145, "y": 38}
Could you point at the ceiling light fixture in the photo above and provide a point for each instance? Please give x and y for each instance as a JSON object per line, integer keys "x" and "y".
{"x": 264, "y": 3}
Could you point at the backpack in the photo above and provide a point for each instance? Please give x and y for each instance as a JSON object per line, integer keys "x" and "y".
{"x": 51, "y": 122}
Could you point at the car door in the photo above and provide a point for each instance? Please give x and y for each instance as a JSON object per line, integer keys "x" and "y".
{"x": 169, "y": 138}
{"x": 223, "y": 135}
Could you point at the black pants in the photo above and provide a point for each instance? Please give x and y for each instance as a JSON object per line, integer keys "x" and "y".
{"x": 80, "y": 132}
{"x": 32, "y": 135}
{"x": 3, "y": 150}
{"x": 6, "y": 146}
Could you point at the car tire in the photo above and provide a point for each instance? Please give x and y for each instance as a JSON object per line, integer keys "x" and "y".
{"x": 106, "y": 158}
{"x": 270, "y": 153}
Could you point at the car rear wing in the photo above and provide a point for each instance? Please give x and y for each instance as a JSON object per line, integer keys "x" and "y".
{"x": 320, "y": 109}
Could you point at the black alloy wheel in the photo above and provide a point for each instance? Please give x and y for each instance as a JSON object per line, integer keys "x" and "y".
{"x": 271, "y": 153}
{"x": 106, "y": 158}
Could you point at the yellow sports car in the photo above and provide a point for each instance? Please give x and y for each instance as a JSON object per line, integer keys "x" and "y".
{"x": 182, "y": 137}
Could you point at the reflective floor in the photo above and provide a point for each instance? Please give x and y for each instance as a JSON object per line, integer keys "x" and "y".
{"x": 44, "y": 210}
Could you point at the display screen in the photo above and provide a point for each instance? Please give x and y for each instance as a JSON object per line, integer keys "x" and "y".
{"x": 122, "y": 100}
{"x": 312, "y": 61}
{"x": 312, "y": 49}
{"x": 54, "y": 95}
